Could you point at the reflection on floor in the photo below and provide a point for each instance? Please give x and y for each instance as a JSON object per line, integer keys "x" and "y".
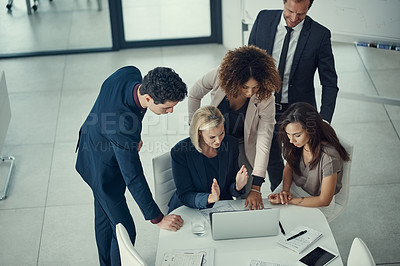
{"x": 69, "y": 25}
{"x": 56, "y": 25}
{"x": 48, "y": 217}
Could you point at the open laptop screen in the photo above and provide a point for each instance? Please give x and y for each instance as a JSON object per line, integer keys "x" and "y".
{"x": 244, "y": 223}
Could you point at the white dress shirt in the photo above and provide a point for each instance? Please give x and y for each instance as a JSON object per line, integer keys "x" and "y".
{"x": 276, "y": 52}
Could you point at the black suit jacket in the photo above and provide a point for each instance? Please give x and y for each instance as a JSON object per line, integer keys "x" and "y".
{"x": 313, "y": 51}
{"x": 108, "y": 159}
{"x": 193, "y": 186}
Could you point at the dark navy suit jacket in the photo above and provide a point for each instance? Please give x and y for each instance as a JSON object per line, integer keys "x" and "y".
{"x": 313, "y": 51}
{"x": 108, "y": 159}
{"x": 192, "y": 183}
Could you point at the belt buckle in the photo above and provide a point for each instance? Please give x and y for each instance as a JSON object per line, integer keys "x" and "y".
{"x": 278, "y": 106}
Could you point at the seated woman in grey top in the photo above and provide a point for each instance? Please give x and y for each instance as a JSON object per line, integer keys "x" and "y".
{"x": 314, "y": 155}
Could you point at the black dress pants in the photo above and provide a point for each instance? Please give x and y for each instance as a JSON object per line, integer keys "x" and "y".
{"x": 275, "y": 164}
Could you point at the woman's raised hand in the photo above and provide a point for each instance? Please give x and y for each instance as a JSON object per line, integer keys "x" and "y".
{"x": 241, "y": 178}
{"x": 215, "y": 192}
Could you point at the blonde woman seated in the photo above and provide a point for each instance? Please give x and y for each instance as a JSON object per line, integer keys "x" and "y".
{"x": 313, "y": 172}
{"x": 242, "y": 88}
{"x": 205, "y": 166}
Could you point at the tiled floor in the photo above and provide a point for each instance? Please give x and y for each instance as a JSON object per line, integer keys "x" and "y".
{"x": 47, "y": 218}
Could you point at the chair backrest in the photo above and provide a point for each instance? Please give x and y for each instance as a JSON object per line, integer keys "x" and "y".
{"x": 359, "y": 254}
{"x": 342, "y": 198}
{"x": 164, "y": 185}
{"x": 128, "y": 253}
{"x": 5, "y": 110}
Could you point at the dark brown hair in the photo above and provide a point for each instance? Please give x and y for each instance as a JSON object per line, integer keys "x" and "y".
{"x": 241, "y": 64}
{"x": 307, "y": 116}
{"x": 311, "y": 2}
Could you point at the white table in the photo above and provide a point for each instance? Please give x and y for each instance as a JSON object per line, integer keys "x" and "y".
{"x": 242, "y": 251}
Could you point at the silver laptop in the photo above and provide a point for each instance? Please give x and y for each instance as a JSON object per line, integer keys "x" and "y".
{"x": 244, "y": 223}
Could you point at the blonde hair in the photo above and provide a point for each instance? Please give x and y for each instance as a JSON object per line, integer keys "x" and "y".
{"x": 206, "y": 117}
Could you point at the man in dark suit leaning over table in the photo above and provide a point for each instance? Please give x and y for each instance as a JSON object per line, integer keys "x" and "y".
{"x": 109, "y": 144}
{"x": 309, "y": 47}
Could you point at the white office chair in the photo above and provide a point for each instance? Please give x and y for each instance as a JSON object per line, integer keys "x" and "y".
{"x": 164, "y": 185}
{"x": 128, "y": 253}
{"x": 342, "y": 198}
{"x": 359, "y": 254}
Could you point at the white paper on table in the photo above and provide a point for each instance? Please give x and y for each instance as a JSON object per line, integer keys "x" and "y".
{"x": 208, "y": 254}
{"x": 299, "y": 244}
{"x": 182, "y": 259}
{"x": 264, "y": 263}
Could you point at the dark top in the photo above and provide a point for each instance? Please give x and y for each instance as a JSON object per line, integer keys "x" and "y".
{"x": 234, "y": 120}
{"x": 212, "y": 168}
{"x": 190, "y": 174}
{"x": 108, "y": 159}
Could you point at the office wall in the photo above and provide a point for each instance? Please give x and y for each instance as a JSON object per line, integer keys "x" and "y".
{"x": 232, "y": 23}
{"x": 349, "y": 20}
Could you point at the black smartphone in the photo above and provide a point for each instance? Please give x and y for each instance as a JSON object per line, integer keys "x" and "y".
{"x": 318, "y": 257}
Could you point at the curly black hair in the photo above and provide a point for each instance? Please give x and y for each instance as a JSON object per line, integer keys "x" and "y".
{"x": 163, "y": 84}
{"x": 243, "y": 63}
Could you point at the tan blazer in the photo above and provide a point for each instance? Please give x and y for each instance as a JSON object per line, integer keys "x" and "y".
{"x": 258, "y": 125}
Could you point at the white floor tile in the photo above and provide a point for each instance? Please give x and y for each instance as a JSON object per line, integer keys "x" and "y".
{"x": 66, "y": 187}
{"x": 30, "y": 176}
{"x": 33, "y": 118}
{"x": 375, "y": 147}
{"x": 386, "y": 82}
{"x": 373, "y": 217}
{"x": 192, "y": 62}
{"x": 348, "y": 51}
{"x": 74, "y": 108}
{"x": 87, "y": 71}
{"x": 20, "y": 232}
{"x": 393, "y": 111}
{"x": 68, "y": 236}
{"x": 375, "y": 59}
{"x": 24, "y": 75}
{"x": 353, "y": 111}
{"x": 357, "y": 81}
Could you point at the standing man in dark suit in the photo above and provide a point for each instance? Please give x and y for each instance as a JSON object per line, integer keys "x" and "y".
{"x": 309, "y": 48}
{"x": 109, "y": 144}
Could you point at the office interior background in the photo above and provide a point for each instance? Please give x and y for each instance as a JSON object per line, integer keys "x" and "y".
{"x": 56, "y": 59}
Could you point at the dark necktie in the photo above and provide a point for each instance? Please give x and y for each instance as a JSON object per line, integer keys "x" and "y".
{"x": 282, "y": 60}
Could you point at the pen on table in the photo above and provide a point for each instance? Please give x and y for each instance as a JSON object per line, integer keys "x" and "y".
{"x": 282, "y": 230}
{"x": 297, "y": 235}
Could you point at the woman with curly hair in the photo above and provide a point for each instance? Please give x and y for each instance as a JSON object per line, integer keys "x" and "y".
{"x": 242, "y": 88}
{"x": 314, "y": 155}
